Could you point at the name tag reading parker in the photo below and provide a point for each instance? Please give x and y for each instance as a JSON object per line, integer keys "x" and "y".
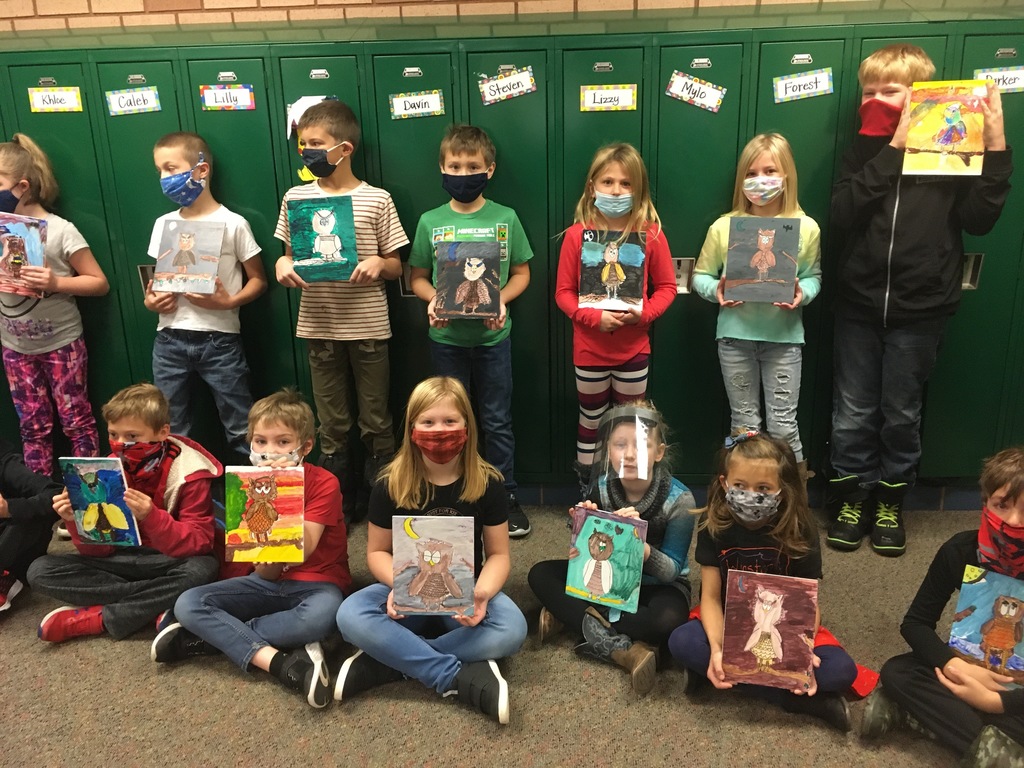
{"x": 1008, "y": 79}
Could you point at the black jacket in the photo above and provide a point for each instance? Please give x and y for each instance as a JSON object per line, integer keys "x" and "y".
{"x": 901, "y": 238}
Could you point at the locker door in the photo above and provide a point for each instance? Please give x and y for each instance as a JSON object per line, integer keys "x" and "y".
{"x": 68, "y": 140}
{"x": 407, "y": 151}
{"x": 693, "y": 188}
{"x": 811, "y": 126}
{"x": 519, "y": 129}
{"x": 960, "y": 428}
{"x": 129, "y": 141}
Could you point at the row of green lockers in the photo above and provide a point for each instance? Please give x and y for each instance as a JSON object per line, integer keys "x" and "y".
{"x": 544, "y": 145}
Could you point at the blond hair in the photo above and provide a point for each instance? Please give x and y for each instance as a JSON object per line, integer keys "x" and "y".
{"x": 192, "y": 145}
{"x": 897, "y": 63}
{"x": 21, "y": 158}
{"x": 642, "y": 214}
{"x": 782, "y": 155}
{"x": 287, "y": 408}
{"x": 468, "y": 139}
{"x": 794, "y": 528}
{"x": 139, "y": 401}
{"x": 406, "y": 475}
{"x": 335, "y": 117}
{"x": 1006, "y": 468}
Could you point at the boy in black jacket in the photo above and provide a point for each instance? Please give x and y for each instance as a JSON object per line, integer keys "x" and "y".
{"x": 26, "y": 520}
{"x": 966, "y": 707}
{"x": 899, "y": 282}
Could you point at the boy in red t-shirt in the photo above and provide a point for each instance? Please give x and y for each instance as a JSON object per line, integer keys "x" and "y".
{"x": 286, "y": 606}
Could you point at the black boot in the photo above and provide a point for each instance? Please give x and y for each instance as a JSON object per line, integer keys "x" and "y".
{"x": 361, "y": 506}
{"x": 583, "y": 472}
{"x": 888, "y": 537}
{"x": 602, "y": 642}
{"x": 339, "y": 465}
{"x": 848, "y": 522}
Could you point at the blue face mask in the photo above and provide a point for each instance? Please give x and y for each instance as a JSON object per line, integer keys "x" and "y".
{"x": 8, "y": 202}
{"x": 317, "y": 163}
{"x": 181, "y": 188}
{"x": 613, "y": 206}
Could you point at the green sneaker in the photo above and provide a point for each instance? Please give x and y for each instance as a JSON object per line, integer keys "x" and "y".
{"x": 994, "y": 749}
{"x": 881, "y": 715}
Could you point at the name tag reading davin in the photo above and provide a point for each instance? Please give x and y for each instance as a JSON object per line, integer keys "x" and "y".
{"x": 607, "y": 98}
{"x": 803, "y": 85}
{"x": 416, "y": 104}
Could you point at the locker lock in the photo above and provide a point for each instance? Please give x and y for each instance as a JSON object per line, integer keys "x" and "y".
{"x": 47, "y": 82}
{"x": 603, "y": 66}
{"x": 802, "y": 58}
{"x": 702, "y": 63}
{"x": 412, "y": 72}
{"x": 1006, "y": 53}
{"x": 226, "y": 77}
{"x": 136, "y": 79}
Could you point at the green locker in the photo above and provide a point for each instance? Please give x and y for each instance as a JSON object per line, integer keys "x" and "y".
{"x": 68, "y": 140}
{"x": 687, "y": 369}
{"x": 129, "y": 139}
{"x": 982, "y": 342}
{"x": 519, "y": 129}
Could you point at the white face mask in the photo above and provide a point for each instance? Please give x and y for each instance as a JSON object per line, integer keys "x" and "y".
{"x": 258, "y": 458}
{"x": 761, "y": 190}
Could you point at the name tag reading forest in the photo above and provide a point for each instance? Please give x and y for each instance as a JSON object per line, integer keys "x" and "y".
{"x": 227, "y": 97}
{"x": 1007, "y": 79}
{"x": 416, "y": 104}
{"x": 693, "y": 90}
{"x": 132, "y": 101}
{"x": 67, "y": 99}
{"x": 803, "y": 85}
{"x": 607, "y": 98}
{"x": 508, "y": 86}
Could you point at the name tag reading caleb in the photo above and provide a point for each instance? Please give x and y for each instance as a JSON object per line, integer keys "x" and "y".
{"x": 607, "y": 98}
{"x": 416, "y": 104}
{"x": 804, "y": 85}
{"x": 133, "y": 101}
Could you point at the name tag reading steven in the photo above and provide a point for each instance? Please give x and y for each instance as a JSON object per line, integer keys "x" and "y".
{"x": 227, "y": 96}
{"x": 804, "y": 85}
{"x": 418, "y": 104}
{"x": 695, "y": 91}
{"x": 1009, "y": 79}
{"x": 64, "y": 99}
{"x": 508, "y": 86}
{"x": 607, "y": 98}
{"x": 132, "y": 101}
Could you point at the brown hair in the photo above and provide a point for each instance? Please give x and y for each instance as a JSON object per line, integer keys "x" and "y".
{"x": 897, "y": 63}
{"x": 335, "y": 117}
{"x": 406, "y": 475}
{"x": 139, "y": 401}
{"x": 21, "y": 158}
{"x": 468, "y": 139}
{"x": 795, "y": 529}
{"x": 287, "y": 408}
{"x": 643, "y": 213}
{"x": 1006, "y": 468}
{"x": 776, "y": 145}
{"x": 190, "y": 144}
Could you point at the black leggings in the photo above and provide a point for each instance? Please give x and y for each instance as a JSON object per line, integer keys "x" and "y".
{"x": 662, "y": 608}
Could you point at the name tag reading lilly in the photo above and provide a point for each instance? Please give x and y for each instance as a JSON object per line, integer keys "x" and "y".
{"x": 225, "y": 96}
{"x": 803, "y": 85}
{"x": 1009, "y": 79}
{"x": 607, "y": 98}
{"x": 132, "y": 101}
{"x": 418, "y": 104}
{"x": 68, "y": 99}
{"x": 508, "y": 86}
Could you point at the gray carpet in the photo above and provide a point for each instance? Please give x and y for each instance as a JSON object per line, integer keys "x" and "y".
{"x": 99, "y": 702}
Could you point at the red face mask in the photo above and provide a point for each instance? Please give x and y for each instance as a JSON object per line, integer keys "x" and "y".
{"x": 879, "y": 118}
{"x": 440, "y": 446}
{"x": 1000, "y": 546}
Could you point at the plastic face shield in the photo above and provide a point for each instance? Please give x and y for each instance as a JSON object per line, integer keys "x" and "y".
{"x": 622, "y": 448}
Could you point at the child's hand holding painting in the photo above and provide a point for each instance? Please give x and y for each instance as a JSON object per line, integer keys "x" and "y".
{"x": 139, "y": 503}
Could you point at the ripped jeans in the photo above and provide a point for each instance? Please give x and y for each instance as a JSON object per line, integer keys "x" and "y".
{"x": 748, "y": 367}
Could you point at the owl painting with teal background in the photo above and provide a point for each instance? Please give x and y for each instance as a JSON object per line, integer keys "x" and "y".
{"x": 323, "y": 238}
{"x": 606, "y": 558}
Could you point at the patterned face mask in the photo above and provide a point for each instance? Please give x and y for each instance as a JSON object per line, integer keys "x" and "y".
{"x": 753, "y": 508}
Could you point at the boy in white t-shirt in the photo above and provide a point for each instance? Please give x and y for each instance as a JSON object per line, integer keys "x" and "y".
{"x": 199, "y": 333}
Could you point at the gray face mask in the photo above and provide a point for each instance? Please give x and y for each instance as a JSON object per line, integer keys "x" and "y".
{"x": 257, "y": 458}
{"x": 753, "y": 508}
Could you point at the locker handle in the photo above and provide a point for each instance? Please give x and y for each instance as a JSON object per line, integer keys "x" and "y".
{"x": 603, "y": 66}
{"x": 701, "y": 63}
{"x": 412, "y": 72}
{"x": 802, "y": 58}
{"x": 1006, "y": 53}
{"x": 136, "y": 79}
{"x": 319, "y": 74}
{"x": 504, "y": 69}
{"x": 226, "y": 77}
{"x": 47, "y": 82}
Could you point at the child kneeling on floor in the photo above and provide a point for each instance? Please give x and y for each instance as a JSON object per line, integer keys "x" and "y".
{"x": 966, "y": 707}
{"x": 126, "y": 588}
{"x": 437, "y": 471}
{"x": 277, "y": 606}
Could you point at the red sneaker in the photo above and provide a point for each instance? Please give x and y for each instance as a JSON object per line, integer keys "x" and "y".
{"x": 9, "y": 588}
{"x": 67, "y": 622}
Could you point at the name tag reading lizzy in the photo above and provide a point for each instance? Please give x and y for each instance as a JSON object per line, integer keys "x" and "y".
{"x": 418, "y": 104}
{"x": 607, "y": 98}
{"x": 1009, "y": 79}
{"x": 67, "y": 99}
{"x": 132, "y": 101}
{"x": 695, "y": 91}
{"x": 232, "y": 97}
{"x": 508, "y": 86}
{"x": 803, "y": 85}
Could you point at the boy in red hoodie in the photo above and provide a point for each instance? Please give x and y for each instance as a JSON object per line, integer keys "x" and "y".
{"x": 169, "y": 479}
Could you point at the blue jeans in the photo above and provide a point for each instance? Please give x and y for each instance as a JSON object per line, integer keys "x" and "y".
{"x": 363, "y": 620}
{"x": 219, "y": 360}
{"x": 750, "y": 366}
{"x": 240, "y": 616}
{"x": 487, "y": 371}
{"x": 879, "y": 378}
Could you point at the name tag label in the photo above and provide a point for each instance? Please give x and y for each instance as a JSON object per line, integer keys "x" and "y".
{"x": 416, "y": 104}
{"x": 507, "y": 86}
{"x": 132, "y": 101}
{"x": 804, "y": 85}
{"x": 693, "y": 90}
{"x": 223, "y": 96}
{"x": 64, "y": 99}
{"x": 1009, "y": 79}
{"x": 608, "y": 98}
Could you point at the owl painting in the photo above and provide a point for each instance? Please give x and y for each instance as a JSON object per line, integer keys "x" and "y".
{"x": 186, "y": 255}
{"x": 260, "y": 513}
{"x": 597, "y": 572}
{"x": 326, "y": 244}
{"x": 1001, "y": 633}
{"x": 765, "y": 642}
{"x": 434, "y": 583}
{"x": 472, "y": 292}
{"x": 764, "y": 258}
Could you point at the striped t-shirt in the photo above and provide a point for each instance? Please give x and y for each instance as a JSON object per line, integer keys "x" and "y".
{"x": 345, "y": 311}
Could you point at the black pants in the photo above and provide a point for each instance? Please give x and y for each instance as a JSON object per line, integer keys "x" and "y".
{"x": 912, "y": 684}
{"x": 662, "y": 607}
{"x": 22, "y": 542}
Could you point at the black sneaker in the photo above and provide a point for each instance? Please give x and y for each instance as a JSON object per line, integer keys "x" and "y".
{"x": 174, "y": 643}
{"x": 518, "y": 523}
{"x": 361, "y": 672}
{"x": 830, "y": 707}
{"x": 888, "y": 536}
{"x": 480, "y": 685}
{"x": 304, "y": 670}
{"x": 881, "y": 715}
{"x": 849, "y": 523}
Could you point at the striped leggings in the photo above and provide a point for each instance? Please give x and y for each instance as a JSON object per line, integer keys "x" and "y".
{"x": 598, "y": 388}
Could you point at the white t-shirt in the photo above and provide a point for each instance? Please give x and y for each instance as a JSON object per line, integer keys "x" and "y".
{"x": 343, "y": 311}
{"x": 238, "y": 246}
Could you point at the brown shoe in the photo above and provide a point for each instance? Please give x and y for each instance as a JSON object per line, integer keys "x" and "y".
{"x": 547, "y": 626}
{"x": 641, "y": 663}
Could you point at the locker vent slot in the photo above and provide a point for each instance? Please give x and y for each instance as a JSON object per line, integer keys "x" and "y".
{"x": 972, "y": 270}
{"x": 702, "y": 63}
{"x": 802, "y": 58}
{"x": 603, "y": 66}
{"x": 319, "y": 74}
{"x": 226, "y": 77}
{"x": 47, "y": 82}
{"x": 136, "y": 79}
{"x": 412, "y": 72}
{"x": 1006, "y": 53}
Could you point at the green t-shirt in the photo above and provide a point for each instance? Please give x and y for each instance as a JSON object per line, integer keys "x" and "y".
{"x": 492, "y": 222}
